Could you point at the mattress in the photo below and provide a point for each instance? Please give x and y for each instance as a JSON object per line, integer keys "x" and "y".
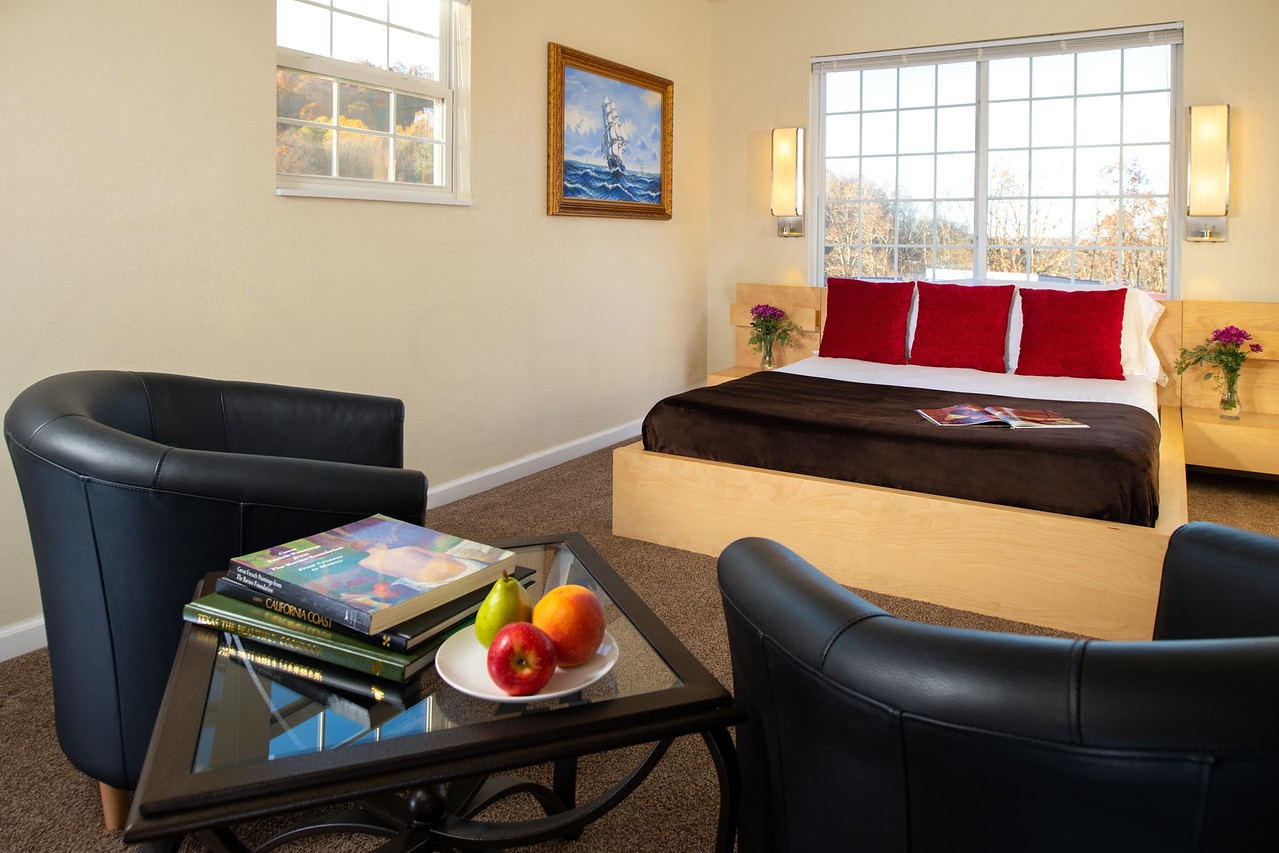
{"x": 802, "y": 420}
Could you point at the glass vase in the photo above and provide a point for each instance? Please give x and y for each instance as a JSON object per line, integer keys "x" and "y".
{"x": 1228, "y": 408}
{"x": 767, "y": 362}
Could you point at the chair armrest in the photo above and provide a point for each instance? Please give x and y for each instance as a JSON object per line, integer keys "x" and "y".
{"x": 1218, "y": 582}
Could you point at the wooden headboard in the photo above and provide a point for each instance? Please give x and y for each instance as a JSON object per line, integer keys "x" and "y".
{"x": 1190, "y": 321}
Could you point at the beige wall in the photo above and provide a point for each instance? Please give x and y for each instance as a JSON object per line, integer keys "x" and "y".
{"x": 760, "y": 53}
{"x": 139, "y": 230}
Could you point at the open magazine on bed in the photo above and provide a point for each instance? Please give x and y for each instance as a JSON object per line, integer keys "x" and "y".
{"x": 971, "y": 414}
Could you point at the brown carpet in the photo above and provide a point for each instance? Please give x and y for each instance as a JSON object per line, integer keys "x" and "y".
{"x": 47, "y": 805}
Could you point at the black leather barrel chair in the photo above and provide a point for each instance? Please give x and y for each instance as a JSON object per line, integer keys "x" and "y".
{"x": 869, "y": 732}
{"x": 138, "y": 484}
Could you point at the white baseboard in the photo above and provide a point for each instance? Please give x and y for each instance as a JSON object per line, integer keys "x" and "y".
{"x": 26, "y": 636}
{"x": 531, "y": 464}
{"x": 22, "y": 637}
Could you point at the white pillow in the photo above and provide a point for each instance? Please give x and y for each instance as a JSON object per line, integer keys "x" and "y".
{"x": 1137, "y": 354}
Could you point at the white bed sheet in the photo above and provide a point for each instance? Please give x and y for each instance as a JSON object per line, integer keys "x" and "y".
{"x": 1139, "y": 391}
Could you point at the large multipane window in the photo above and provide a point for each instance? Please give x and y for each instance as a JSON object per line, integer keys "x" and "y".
{"x": 368, "y": 99}
{"x": 1013, "y": 161}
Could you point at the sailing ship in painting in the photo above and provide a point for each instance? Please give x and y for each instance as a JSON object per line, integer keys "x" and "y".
{"x": 611, "y": 180}
{"x": 613, "y": 145}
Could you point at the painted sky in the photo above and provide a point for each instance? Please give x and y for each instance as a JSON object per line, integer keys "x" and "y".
{"x": 639, "y": 109}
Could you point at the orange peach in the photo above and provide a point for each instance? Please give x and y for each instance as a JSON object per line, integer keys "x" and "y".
{"x": 573, "y": 618}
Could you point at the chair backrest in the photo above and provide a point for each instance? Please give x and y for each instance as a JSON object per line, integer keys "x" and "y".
{"x": 868, "y": 732}
{"x": 137, "y": 485}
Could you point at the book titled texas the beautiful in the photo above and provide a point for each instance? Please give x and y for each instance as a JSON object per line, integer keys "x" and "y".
{"x": 374, "y": 573}
{"x": 971, "y": 414}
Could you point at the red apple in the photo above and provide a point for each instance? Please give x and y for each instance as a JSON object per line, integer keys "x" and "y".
{"x": 521, "y": 659}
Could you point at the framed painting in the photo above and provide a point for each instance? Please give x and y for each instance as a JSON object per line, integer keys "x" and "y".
{"x": 608, "y": 141}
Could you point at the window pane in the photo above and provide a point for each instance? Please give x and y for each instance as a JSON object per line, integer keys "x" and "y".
{"x": 957, "y": 129}
{"x": 953, "y": 265}
{"x": 955, "y": 225}
{"x": 1098, "y": 72}
{"x": 1147, "y": 68}
{"x": 1008, "y": 221}
{"x": 1009, "y": 174}
{"x": 955, "y": 175}
{"x": 1053, "y": 76}
{"x": 303, "y": 96}
{"x": 915, "y": 176}
{"x": 359, "y": 41}
{"x": 843, "y": 91}
{"x": 1009, "y": 78}
{"x": 414, "y": 54}
{"x": 363, "y": 155}
{"x": 841, "y": 222}
{"x": 415, "y": 161}
{"x": 1146, "y": 118}
{"x": 1146, "y": 270}
{"x": 879, "y": 263}
{"x": 1098, "y": 120}
{"x": 913, "y": 262}
{"x": 420, "y": 15}
{"x": 1051, "y": 221}
{"x": 879, "y": 133}
{"x": 843, "y": 133}
{"x": 1006, "y": 263}
{"x": 918, "y": 86}
{"x": 1097, "y": 265}
{"x": 957, "y": 83}
{"x": 302, "y": 27}
{"x": 1052, "y": 122}
{"x": 879, "y": 91}
{"x": 415, "y": 116}
{"x": 1050, "y": 264}
{"x": 1146, "y": 169}
{"x": 1097, "y": 222}
{"x": 842, "y": 177}
{"x": 1010, "y": 124}
{"x": 1097, "y": 171}
{"x": 1052, "y": 172}
{"x": 841, "y": 261}
{"x": 364, "y": 107}
{"x": 918, "y": 131}
{"x": 879, "y": 177}
{"x": 1145, "y": 221}
{"x": 303, "y": 150}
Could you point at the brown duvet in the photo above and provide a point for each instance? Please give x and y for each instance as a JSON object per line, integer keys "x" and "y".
{"x": 872, "y": 434}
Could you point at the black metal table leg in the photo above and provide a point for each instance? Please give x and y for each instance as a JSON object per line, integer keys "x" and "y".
{"x": 724, "y": 754}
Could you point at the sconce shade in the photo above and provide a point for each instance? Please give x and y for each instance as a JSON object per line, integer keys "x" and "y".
{"x": 788, "y": 172}
{"x": 1208, "y": 169}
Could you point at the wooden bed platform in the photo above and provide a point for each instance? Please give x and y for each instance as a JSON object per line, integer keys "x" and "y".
{"x": 1095, "y": 578}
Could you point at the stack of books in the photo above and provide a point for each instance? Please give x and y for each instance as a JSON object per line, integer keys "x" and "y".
{"x": 362, "y": 608}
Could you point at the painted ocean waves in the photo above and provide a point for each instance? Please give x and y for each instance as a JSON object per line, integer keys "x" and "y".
{"x": 597, "y": 182}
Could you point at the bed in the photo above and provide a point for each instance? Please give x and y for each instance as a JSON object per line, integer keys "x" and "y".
{"x": 1091, "y": 569}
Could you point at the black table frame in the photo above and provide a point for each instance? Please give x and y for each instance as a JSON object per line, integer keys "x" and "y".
{"x": 451, "y": 779}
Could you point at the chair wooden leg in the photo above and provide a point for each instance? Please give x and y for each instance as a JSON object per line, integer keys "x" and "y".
{"x": 115, "y": 805}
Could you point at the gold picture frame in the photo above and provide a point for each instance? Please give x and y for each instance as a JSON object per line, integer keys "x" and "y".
{"x": 608, "y": 140}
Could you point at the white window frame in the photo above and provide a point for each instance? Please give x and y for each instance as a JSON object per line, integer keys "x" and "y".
{"x": 453, "y": 88}
{"x": 982, "y": 53}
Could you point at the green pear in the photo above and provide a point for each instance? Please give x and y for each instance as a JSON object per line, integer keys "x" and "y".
{"x": 508, "y": 601}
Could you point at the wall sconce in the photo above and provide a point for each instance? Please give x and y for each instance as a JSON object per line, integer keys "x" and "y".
{"x": 787, "y": 200}
{"x": 1208, "y": 174}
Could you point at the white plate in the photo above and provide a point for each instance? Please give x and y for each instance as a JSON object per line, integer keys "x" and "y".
{"x": 463, "y": 664}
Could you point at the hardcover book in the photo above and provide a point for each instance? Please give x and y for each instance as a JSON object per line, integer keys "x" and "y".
{"x": 971, "y": 414}
{"x": 259, "y": 657}
{"x": 372, "y": 574}
{"x": 405, "y": 637}
{"x": 267, "y": 627}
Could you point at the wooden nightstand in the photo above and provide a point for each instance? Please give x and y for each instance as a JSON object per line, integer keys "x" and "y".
{"x": 1248, "y": 444}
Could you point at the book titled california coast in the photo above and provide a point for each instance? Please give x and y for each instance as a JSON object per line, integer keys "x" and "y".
{"x": 372, "y": 574}
{"x": 971, "y": 414}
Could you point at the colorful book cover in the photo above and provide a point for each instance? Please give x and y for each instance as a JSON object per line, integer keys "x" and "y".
{"x": 374, "y": 573}
{"x": 971, "y": 414}
{"x": 223, "y": 613}
{"x": 405, "y": 637}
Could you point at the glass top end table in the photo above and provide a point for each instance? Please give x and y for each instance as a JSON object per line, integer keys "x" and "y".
{"x": 235, "y": 741}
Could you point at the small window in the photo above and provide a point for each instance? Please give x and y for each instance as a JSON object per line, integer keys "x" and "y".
{"x": 368, "y": 101}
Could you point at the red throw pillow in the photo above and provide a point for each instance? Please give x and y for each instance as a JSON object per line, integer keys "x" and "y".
{"x": 958, "y": 325}
{"x": 866, "y": 320}
{"x": 1071, "y": 333}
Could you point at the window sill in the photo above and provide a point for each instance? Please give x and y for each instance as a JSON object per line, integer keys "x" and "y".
{"x": 349, "y": 188}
